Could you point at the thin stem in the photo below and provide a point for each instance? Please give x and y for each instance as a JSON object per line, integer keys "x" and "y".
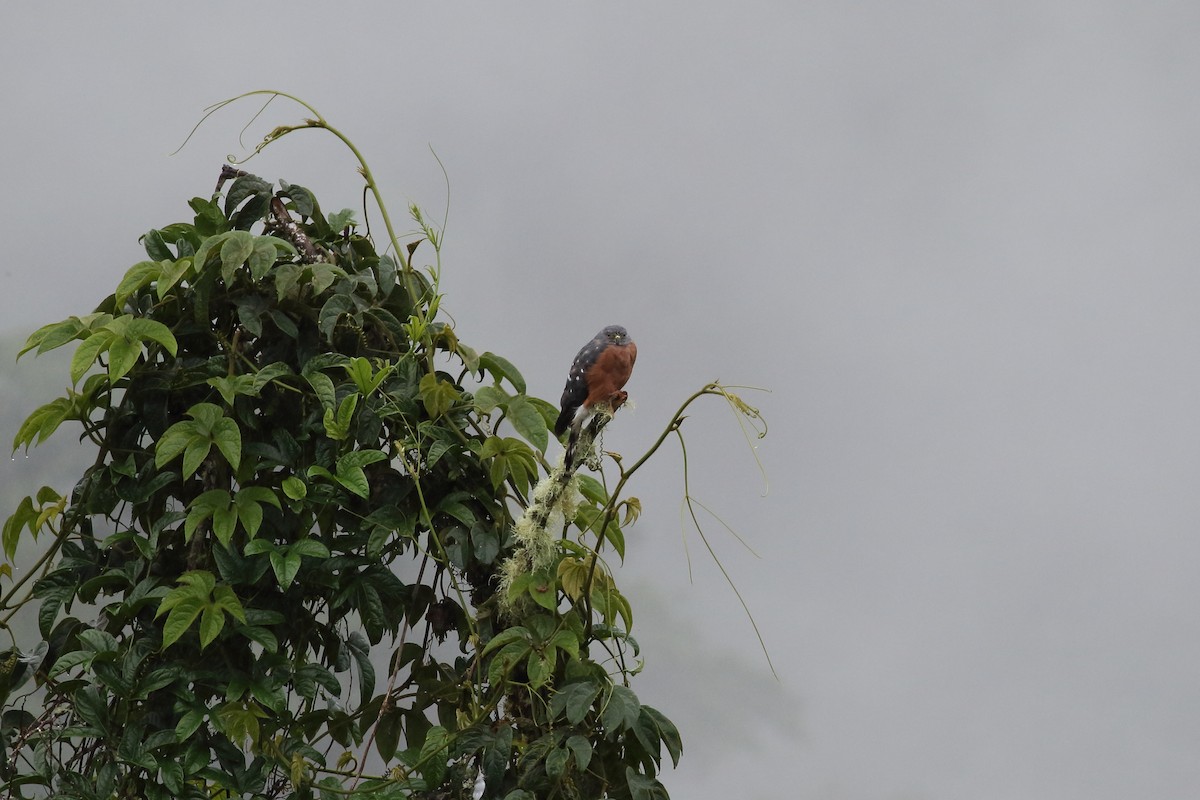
{"x": 688, "y": 498}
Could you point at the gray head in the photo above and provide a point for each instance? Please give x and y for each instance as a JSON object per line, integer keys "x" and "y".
{"x": 615, "y": 334}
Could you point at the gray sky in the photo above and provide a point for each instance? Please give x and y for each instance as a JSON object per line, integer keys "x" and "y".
{"x": 958, "y": 242}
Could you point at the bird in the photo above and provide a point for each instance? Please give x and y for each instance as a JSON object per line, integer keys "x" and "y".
{"x": 597, "y": 376}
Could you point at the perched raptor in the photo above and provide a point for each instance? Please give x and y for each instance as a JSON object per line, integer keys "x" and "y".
{"x": 597, "y": 375}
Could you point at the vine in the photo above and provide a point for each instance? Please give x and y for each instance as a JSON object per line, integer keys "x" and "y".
{"x": 302, "y": 472}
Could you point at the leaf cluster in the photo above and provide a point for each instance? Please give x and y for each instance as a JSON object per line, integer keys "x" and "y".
{"x": 301, "y": 473}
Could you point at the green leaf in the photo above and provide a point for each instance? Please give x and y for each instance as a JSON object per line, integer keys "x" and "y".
{"x": 236, "y": 248}
{"x": 322, "y": 384}
{"x": 507, "y": 636}
{"x": 489, "y": 397}
{"x": 361, "y": 458}
{"x": 575, "y": 700}
{"x": 225, "y": 599}
{"x": 139, "y": 275}
{"x": 232, "y": 386}
{"x": 337, "y": 426}
{"x": 387, "y": 732}
{"x": 548, "y": 411}
{"x": 263, "y": 256}
{"x": 610, "y": 603}
{"x": 614, "y": 536}
{"x": 643, "y": 787}
{"x": 268, "y": 374}
{"x": 320, "y": 472}
{"x": 258, "y": 494}
{"x": 155, "y": 680}
{"x": 452, "y": 505}
{"x": 263, "y": 636}
{"x": 667, "y": 732}
{"x": 621, "y": 710}
{"x": 257, "y": 546}
{"x": 199, "y": 579}
{"x": 212, "y": 620}
{"x": 323, "y": 275}
{"x": 12, "y": 527}
{"x": 387, "y": 274}
{"x": 250, "y": 312}
{"x": 87, "y": 353}
{"x": 311, "y": 548}
{"x": 360, "y": 649}
{"x": 91, "y": 707}
{"x": 180, "y": 618}
{"x": 198, "y": 595}
{"x": 319, "y": 675}
{"x": 507, "y": 658}
{"x": 539, "y": 669}
{"x": 171, "y": 775}
{"x": 496, "y": 757}
{"x": 303, "y": 201}
{"x": 365, "y": 378}
{"x": 239, "y": 721}
{"x": 69, "y": 661}
{"x": 249, "y": 511}
{"x": 194, "y": 439}
{"x": 203, "y": 507}
{"x": 287, "y": 278}
{"x": 39, "y": 426}
{"x": 243, "y": 188}
{"x": 224, "y": 521}
{"x": 338, "y": 220}
{"x": 486, "y": 542}
{"x": 173, "y": 442}
{"x": 593, "y": 490}
{"x": 334, "y": 309}
{"x": 98, "y": 641}
{"x": 499, "y": 368}
{"x": 544, "y": 591}
{"x": 122, "y": 355}
{"x": 285, "y": 566}
{"x": 567, "y": 641}
{"x": 209, "y": 218}
{"x": 285, "y": 323}
{"x": 556, "y": 762}
{"x": 354, "y": 479}
{"x": 156, "y": 245}
{"x": 171, "y": 275}
{"x": 581, "y": 748}
{"x": 228, "y": 437}
{"x": 188, "y": 724}
{"x": 528, "y": 422}
{"x": 510, "y": 457}
{"x": 437, "y": 395}
{"x": 295, "y": 488}
{"x": 572, "y": 575}
{"x": 137, "y": 330}
{"x": 56, "y": 334}
{"x": 434, "y": 753}
{"x": 194, "y": 455}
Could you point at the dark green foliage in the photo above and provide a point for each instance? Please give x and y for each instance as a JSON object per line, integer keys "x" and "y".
{"x": 297, "y": 480}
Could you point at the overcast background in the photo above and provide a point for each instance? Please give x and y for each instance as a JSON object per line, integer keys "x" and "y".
{"x": 958, "y": 242}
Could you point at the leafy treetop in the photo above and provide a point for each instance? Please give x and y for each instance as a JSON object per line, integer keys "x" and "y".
{"x": 301, "y": 473}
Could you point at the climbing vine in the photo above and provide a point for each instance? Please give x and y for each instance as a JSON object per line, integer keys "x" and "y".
{"x": 293, "y": 569}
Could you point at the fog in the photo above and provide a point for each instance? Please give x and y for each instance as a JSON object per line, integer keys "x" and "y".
{"x": 957, "y": 242}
